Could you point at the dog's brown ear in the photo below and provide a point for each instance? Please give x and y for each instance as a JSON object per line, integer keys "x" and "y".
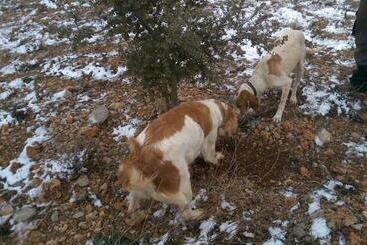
{"x": 246, "y": 101}
{"x": 274, "y": 65}
{"x": 254, "y": 103}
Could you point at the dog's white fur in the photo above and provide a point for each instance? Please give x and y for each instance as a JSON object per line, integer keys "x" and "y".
{"x": 292, "y": 53}
{"x": 182, "y": 148}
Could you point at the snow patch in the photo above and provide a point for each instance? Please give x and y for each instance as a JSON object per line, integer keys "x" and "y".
{"x": 49, "y": 4}
{"x": 230, "y": 228}
{"x": 277, "y": 233}
{"x": 357, "y": 149}
{"x": 319, "y": 229}
{"x": 127, "y": 130}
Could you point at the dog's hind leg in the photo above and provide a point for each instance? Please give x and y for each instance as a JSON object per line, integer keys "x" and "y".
{"x": 184, "y": 197}
{"x": 299, "y": 73}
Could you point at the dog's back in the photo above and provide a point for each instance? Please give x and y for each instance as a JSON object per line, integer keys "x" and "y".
{"x": 291, "y": 49}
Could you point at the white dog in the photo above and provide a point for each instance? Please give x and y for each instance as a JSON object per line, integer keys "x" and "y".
{"x": 273, "y": 71}
{"x": 158, "y": 166}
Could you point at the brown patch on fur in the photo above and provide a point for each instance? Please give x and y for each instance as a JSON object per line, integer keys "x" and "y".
{"x": 246, "y": 100}
{"x": 147, "y": 161}
{"x": 274, "y": 64}
{"x": 173, "y": 121}
{"x": 168, "y": 178}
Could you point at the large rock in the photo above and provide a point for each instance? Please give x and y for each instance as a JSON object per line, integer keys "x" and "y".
{"x": 99, "y": 115}
{"x": 24, "y": 214}
{"x": 82, "y": 181}
{"x": 78, "y": 215}
{"x": 55, "y": 216}
{"x": 5, "y": 209}
{"x": 323, "y": 137}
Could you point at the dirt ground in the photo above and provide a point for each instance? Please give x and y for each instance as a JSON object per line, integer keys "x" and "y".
{"x": 271, "y": 177}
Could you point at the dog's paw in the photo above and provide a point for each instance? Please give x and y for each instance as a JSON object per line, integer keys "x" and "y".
{"x": 219, "y": 156}
{"x": 293, "y": 100}
{"x": 277, "y": 119}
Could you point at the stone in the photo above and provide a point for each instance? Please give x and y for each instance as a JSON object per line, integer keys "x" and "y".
{"x": 82, "y": 181}
{"x": 107, "y": 160}
{"x": 355, "y": 135}
{"x": 78, "y": 238}
{"x": 364, "y": 184}
{"x": 364, "y": 214}
{"x": 323, "y": 137}
{"x": 91, "y": 216}
{"x": 52, "y": 242}
{"x": 304, "y": 172}
{"x": 5, "y": 209}
{"x": 99, "y": 115}
{"x": 83, "y": 225}
{"x": 78, "y": 215}
{"x": 103, "y": 188}
{"x": 329, "y": 153}
{"x": 55, "y": 183}
{"x": 33, "y": 225}
{"x": 80, "y": 195}
{"x": 70, "y": 119}
{"x": 339, "y": 168}
{"x": 23, "y": 214}
{"x": 299, "y": 230}
{"x": 36, "y": 182}
{"x": 357, "y": 227}
{"x": 32, "y": 152}
{"x": 55, "y": 216}
{"x": 14, "y": 167}
{"x": 116, "y": 106}
{"x": 90, "y": 132}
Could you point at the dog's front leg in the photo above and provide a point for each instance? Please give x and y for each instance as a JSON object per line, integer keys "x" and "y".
{"x": 285, "y": 92}
{"x": 208, "y": 151}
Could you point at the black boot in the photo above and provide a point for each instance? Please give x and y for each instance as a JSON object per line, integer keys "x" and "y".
{"x": 359, "y": 79}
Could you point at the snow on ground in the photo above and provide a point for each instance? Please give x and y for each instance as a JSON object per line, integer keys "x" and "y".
{"x": 6, "y": 118}
{"x": 226, "y": 205}
{"x": 128, "y": 130}
{"x": 327, "y": 192}
{"x": 357, "y": 149}
{"x": 277, "y": 233}
{"x": 48, "y": 3}
{"x": 66, "y": 67}
{"x": 229, "y": 227}
{"x": 21, "y": 175}
{"x": 206, "y": 228}
{"x": 320, "y": 230}
{"x": 25, "y": 35}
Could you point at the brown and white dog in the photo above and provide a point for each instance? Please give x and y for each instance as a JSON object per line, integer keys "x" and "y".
{"x": 273, "y": 71}
{"x": 160, "y": 155}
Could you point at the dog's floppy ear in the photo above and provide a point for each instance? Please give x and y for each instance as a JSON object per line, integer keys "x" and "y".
{"x": 274, "y": 63}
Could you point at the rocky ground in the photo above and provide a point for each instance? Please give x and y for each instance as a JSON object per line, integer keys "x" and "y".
{"x": 66, "y": 110}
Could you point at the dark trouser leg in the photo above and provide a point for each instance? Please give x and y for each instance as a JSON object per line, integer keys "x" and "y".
{"x": 360, "y": 53}
{"x": 359, "y": 77}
